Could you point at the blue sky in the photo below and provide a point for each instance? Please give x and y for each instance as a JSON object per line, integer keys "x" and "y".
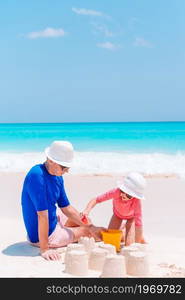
{"x": 85, "y": 61}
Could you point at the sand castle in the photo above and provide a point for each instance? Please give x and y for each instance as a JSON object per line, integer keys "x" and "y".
{"x": 77, "y": 263}
{"x": 87, "y": 255}
{"x": 70, "y": 247}
{"x": 141, "y": 247}
{"x": 89, "y": 244}
{"x": 110, "y": 248}
{"x": 134, "y": 247}
{"x": 137, "y": 264}
{"x": 125, "y": 251}
{"x": 97, "y": 258}
{"x": 136, "y": 258}
{"x": 114, "y": 266}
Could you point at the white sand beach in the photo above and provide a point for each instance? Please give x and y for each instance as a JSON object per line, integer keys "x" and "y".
{"x": 163, "y": 215}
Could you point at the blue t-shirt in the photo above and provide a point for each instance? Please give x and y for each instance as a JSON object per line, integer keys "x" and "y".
{"x": 41, "y": 191}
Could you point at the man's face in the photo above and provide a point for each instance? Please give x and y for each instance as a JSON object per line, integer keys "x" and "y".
{"x": 56, "y": 169}
{"x": 60, "y": 170}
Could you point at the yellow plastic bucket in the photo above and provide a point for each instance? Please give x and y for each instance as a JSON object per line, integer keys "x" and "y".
{"x": 113, "y": 237}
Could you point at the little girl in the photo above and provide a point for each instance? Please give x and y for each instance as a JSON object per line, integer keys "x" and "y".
{"x": 127, "y": 199}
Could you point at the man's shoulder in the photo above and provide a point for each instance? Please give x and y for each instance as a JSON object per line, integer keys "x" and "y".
{"x": 36, "y": 170}
{"x": 60, "y": 179}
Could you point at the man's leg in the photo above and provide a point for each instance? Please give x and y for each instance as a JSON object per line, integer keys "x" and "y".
{"x": 79, "y": 232}
{"x": 62, "y": 236}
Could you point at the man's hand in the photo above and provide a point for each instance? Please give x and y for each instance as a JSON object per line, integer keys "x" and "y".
{"x": 50, "y": 254}
{"x": 96, "y": 232}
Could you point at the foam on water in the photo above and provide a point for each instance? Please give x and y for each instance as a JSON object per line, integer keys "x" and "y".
{"x": 103, "y": 163}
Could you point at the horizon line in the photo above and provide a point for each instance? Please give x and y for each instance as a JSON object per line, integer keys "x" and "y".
{"x": 91, "y": 122}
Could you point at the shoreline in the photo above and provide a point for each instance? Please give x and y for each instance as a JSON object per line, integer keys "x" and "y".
{"x": 103, "y": 163}
{"x": 160, "y": 175}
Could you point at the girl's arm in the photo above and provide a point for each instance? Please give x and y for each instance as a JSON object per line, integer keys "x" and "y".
{"x": 139, "y": 236}
{"x": 89, "y": 206}
{"x": 104, "y": 197}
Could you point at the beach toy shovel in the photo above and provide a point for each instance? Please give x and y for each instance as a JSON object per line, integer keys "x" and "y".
{"x": 84, "y": 219}
{"x": 113, "y": 237}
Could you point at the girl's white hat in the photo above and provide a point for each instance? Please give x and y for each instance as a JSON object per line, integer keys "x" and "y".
{"x": 61, "y": 152}
{"x": 133, "y": 184}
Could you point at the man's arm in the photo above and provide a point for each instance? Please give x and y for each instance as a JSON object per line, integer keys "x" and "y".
{"x": 72, "y": 214}
{"x": 43, "y": 228}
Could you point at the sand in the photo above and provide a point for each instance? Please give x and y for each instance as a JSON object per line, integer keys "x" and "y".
{"x": 163, "y": 214}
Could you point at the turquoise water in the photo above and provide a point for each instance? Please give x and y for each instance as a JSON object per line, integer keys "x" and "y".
{"x": 147, "y": 137}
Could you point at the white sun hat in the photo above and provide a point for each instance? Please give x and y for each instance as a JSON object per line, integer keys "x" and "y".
{"x": 61, "y": 152}
{"x": 133, "y": 184}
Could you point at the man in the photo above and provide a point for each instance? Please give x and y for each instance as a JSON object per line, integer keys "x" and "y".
{"x": 43, "y": 189}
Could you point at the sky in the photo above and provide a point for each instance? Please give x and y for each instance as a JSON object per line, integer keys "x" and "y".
{"x": 92, "y": 61}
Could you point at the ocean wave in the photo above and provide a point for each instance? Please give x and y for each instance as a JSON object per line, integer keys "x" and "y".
{"x": 103, "y": 163}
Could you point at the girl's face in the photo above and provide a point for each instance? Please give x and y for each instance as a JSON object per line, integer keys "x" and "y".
{"x": 125, "y": 197}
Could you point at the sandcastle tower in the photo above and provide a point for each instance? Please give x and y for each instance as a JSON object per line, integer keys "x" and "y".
{"x": 141, "y": 247}
{"x": 114, "y": 266}
{"x": 137, "y": 264}
{"x": 71, "y": 247}
{"x": 89, "y": 244}
{"x": 77, "y": 263}
{"x": 110, "y": 248}
{"x": 97, "y": 258}
{"x": 129, "y": 249}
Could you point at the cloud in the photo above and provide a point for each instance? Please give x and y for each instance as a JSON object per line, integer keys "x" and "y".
{"x": 108, "y": 46}
{"x": 46, "y": 33}
{"x": 133, "y": 22}
{"x": 141, "y": 42}
{"x": 102, "y": 29}
{"x": 87, "y": 12}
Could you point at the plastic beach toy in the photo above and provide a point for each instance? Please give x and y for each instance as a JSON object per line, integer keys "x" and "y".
{"x": 112, "y": 236}
{"x": 84, "y": 220}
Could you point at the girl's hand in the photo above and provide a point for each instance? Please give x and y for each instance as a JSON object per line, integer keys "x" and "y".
{"x": 85, "y": 219}
{"x": 84, "y": 213}
{"x": 143, "y": 241}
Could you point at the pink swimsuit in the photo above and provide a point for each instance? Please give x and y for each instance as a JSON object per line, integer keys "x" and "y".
{"x": 123, "y": 209}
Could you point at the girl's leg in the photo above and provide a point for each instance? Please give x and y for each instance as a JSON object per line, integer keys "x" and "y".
{"x": 115, "y": 222}
{"x": 130, "y": 232}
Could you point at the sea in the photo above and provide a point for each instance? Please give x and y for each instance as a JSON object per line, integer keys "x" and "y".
{"x": 152, "y": 148}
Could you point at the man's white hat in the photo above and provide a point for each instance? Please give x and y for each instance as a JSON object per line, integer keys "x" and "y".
{"x": 133, "y": 184}
{"x": 61, "y": 152}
